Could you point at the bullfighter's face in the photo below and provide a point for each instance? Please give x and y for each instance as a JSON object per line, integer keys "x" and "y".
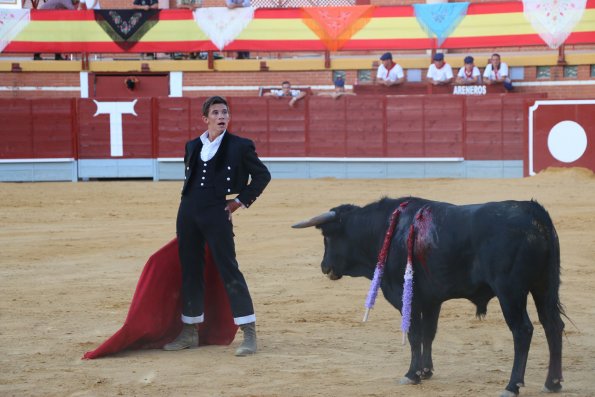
{"x": 217, "y": 120}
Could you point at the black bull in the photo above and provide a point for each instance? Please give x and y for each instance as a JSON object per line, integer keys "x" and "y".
{"x": 500, "y": 249}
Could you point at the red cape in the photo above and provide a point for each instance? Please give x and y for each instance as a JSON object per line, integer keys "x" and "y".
{"x": 154, "y": 317}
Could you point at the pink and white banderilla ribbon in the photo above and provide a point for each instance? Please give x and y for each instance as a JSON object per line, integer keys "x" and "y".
{"x": 408, "y": 286}
{"x": 379, "y": 271}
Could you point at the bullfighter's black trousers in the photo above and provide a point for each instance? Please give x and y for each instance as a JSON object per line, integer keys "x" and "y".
{"x": 202, "y": 219}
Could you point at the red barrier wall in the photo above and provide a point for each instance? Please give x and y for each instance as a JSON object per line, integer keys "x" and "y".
{"x": 41, "y": 128}
{"x": 177, "y": 120}
{"x": 495, "y": 127}
{"x": 479, "y": 128}
{"x": 94, "y": 130}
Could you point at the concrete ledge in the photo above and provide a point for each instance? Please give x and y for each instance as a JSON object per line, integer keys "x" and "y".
{"x": 120, "y": 168}
{"x": 38, "y": 170}
{"x": 293, "y": 168}
{"x": 34, "y": 170}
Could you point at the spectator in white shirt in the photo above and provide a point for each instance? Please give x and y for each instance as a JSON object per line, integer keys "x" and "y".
{"x": 439, "y": 72}
{"x": 389, "y": 73}
{"x": 496, "y": 72}
{"x": 287, "y": 92}
{"x": 469, "y": 73}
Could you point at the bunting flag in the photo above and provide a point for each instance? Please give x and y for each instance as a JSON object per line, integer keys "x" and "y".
{"x": 440, "y": 19}
{"x": 554, "y": 20}
{"x": 485, "y": 25}
{"x": 223, "y": 25}
{"x": 336, "y": 25}
{"x": 126, "y": 27}
{"x": 12, "y": 21}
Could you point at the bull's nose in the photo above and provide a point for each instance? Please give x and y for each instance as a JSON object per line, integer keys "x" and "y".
{"x": 325, "y": 269}
{"x": 333, "y": 276}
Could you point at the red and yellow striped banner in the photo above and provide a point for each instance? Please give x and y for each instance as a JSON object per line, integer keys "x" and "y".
{"x": 486, "y": 25}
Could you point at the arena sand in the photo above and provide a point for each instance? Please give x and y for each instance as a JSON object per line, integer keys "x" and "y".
{"x": 72, "y": 254}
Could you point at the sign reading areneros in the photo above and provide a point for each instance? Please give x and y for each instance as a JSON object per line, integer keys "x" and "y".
{"x": 469, "y": 90}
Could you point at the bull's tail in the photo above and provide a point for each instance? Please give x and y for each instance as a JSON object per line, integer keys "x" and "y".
{"x": 555, "y": 271}
{"x": 549, "y": 293}
{"x": 547, "y": 297}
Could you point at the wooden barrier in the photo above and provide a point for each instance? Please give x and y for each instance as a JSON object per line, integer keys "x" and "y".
{"x": 486, "y": 127}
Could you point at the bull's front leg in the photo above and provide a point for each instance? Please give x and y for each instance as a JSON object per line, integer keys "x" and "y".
{"x": 413, "y": 376}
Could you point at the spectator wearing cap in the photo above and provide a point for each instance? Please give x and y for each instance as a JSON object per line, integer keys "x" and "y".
{"x": 389, "y": 73}
{"x": 439, "y": 72}
{"x": 496, "y": 72}
{"x": 339, "y": 89}
{"x": 469, "y": 73}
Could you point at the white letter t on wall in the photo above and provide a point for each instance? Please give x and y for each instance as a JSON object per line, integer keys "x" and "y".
{"x": 115, "y": 110}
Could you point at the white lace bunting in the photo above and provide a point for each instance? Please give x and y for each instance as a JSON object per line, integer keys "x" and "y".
{"x": 554, "y": 20}
{"x": 223, "y": 25}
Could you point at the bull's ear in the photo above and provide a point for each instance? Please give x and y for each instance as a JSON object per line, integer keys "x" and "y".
{"x": 317, "y": 220}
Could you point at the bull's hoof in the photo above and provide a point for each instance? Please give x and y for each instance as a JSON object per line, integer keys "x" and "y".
{"x": 407, "y": 381}
{"x": 552, "y": 387}
{"x": 508, "y": 393}
{"x": 426, "y": 373}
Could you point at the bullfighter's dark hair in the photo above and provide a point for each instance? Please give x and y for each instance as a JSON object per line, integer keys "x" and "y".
{"x": 214, "y": 100}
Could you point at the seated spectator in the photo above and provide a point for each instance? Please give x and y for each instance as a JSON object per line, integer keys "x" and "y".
{"x": 439, "y": 72}
{"x": 56, "y": 5}
{"x": 389, "y": 73}
{"x": 339, "y": 89}
{"x": 469, "y": 73}
{"x": 286, "y": 92}
{"x": 496, "y": 72}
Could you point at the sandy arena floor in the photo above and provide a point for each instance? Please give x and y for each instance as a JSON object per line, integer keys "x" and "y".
{"x": 72, "y": 254}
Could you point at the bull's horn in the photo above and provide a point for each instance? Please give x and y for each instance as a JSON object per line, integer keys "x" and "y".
{"x": 317, "y": 220}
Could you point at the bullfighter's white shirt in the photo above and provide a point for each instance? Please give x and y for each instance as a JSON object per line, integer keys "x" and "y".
{"x": 209, "y": 149}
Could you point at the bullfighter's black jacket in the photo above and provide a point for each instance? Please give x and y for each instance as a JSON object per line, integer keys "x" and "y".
{"x": 238, "y": 170}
